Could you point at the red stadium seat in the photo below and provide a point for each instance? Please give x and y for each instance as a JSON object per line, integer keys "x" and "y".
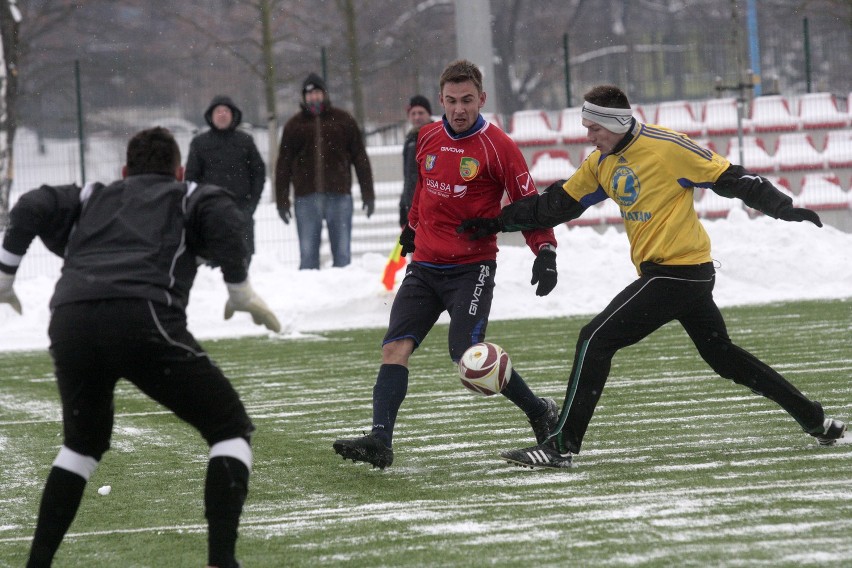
{"x": 532, "y": 128}
{"x": 796, "y": 151}
{"x": 755, "y": 156}
{"x": 819, "y": 110}
{"x": 571, "y": 129}
{"x": 549, "y": 166}
{"x": 720, "y": 117}
{"x": 494, "y": 119}
{"x": 772, "y": 114}
{"x": 678, "y": 116}
{"x": 822, "y": 192}
{"x": 838, "y": 149}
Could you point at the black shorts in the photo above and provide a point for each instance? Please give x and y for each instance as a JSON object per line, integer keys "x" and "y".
{"x": 464, "y": 291}
{"x": 93, "y": 344}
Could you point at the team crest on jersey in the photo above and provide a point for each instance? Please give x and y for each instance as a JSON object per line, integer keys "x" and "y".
{"x": 430, "y": 161}
{"x": 625, "y": 186}
{"x": 468, "y": 168}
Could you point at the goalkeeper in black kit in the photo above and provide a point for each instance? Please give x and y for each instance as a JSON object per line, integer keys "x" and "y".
{"x": 651, "y": 172}
{"x": 130, "y": 253}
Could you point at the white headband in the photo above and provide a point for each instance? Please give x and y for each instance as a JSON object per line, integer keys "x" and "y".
{"x": 613, "y": 119}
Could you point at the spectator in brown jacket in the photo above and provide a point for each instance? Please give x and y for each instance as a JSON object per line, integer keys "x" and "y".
{"x": 319, "y": 146}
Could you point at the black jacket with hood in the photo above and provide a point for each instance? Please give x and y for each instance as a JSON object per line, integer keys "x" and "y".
{"x": 227, "y": 158}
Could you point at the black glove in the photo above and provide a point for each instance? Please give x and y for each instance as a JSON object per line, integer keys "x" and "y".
{"x": 369, "y": 207}
{"x": 284, "y": 213}
{"x": 544, "y": 272}
{"x": 798, "y": 214}
{"x": 481, "y": 227}
{"x": 403, "y": 216}
{"x": 406, "y": 239}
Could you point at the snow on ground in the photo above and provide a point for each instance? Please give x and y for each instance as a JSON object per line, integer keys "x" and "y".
{"x": 758, "y": 261}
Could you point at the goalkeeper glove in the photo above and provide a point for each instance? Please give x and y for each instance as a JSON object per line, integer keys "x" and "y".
{"x": 242, "y": 298}
{"x": 7, "y": 293}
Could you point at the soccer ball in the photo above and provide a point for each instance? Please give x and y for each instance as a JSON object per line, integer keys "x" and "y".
{"x": 485, "y": 368}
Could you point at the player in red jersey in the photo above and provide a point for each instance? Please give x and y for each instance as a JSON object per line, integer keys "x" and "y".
{"x": 465, "y": 167}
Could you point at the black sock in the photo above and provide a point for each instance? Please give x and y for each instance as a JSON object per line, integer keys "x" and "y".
{"x": 388, "y": 394}
{"x": 60, "y": 500}
{"x": 518, "y": 392}
{"x": 225, "y": 492}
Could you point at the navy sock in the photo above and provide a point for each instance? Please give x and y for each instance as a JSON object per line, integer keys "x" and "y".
{"x": 388, "y": 394}
{"x": 518, "y": 392}
{"x": 225, "y": 491}
{"x": 60, "y": 500}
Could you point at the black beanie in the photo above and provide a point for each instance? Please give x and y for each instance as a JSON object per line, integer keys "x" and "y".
{"x": 313, "y": 81}
{"x": 420, "y": 101}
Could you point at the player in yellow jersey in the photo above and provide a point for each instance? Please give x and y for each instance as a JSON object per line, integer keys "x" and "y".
{"x": 651, "y": 173}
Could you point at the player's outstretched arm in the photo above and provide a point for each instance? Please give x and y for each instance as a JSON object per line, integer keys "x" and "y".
{"x": 549, "y": 209}
{"x": 758, "y": 193}
{"x": 242, "y": 298}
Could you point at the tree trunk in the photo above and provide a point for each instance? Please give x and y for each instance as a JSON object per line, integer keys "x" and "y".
{"x": 354, "y": 61}
{"x": 9, "y": 21}
{"x": 269, "y": 90}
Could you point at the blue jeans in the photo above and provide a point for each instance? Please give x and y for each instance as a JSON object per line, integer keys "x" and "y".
{"x": 336, "y": 210}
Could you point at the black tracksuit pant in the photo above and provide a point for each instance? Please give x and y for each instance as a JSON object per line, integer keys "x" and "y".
{"x": 663, "y": 294}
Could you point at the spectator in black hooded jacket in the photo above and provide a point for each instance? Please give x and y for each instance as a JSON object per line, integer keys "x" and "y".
{"x": 228, "y": 157}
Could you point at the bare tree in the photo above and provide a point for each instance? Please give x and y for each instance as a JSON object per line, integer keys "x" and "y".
{"x": 10, "y": 19}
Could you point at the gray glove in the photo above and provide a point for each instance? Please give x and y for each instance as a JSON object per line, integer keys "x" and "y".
{"x": 242, "y": 298}
{"x": 7, "y": 293}
{"x": 369, "y": 207}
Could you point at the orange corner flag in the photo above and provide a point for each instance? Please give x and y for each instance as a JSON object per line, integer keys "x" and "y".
{"x": 395, "y": 262}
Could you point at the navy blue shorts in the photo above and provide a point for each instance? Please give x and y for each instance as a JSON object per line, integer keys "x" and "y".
{"x": 464, "y": 291}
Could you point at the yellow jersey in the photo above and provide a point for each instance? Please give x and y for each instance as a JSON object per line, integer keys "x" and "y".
{"x": 652, "y": 176}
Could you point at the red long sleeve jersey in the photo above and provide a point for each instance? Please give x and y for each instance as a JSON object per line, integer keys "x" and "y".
{"x": 462, "y": 177}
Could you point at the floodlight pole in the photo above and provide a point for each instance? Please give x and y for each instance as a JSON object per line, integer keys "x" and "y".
{"x": 740, "y": 88}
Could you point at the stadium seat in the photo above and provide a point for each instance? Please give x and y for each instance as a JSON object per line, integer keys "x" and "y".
{"x": 532, "y": 128}
{"x": 720, "y": 117}
{"x": 772, "y": 114}
{"x": 795, "y": 151}
{"x": 549, "y": 166}
{"x": 819, "y": 110}
{"x": 838, "y": 149}
{"x": 588, "y": 149}
{"x": 755, "y": 156}
{"x": 571, "y": 129}
{"x": 604, "y": 213}
{"x": 678, "y": 116}
{"x": 494, "y": 119}
{"x": 822, "y": 192}
{"x": 711, "y": 205}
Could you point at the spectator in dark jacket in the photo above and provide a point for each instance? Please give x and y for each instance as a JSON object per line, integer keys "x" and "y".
{"x": 419, "y": 114}
{"x": 319, "y": 146}
{"x": 228, "y": 157}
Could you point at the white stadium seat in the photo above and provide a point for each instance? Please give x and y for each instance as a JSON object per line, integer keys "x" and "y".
{"x": 678, "y": 116}
{"x": 819, "y": 110}
{"x": 772, "y": 114}
{"x": 532, "y": 128}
